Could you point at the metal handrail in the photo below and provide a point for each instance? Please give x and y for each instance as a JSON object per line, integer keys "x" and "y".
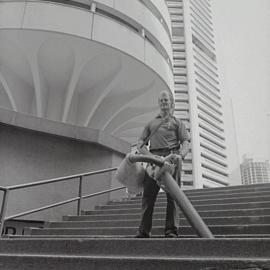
{"x": 62, "y": 203}
{"x": 79, "y": 198}
{"x": 59, "y": 179}
{"x": 42, "y": 208}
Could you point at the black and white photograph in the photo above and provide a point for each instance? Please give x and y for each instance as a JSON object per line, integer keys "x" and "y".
{"x": 135, "y": 134}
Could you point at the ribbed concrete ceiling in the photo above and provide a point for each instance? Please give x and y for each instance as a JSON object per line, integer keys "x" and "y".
{"x": 74, "y": 80}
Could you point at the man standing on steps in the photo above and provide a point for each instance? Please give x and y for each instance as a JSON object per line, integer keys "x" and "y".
{"x": 165, "y": 134}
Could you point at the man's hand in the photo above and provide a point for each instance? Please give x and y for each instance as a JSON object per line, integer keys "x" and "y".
{"x": 173, "y": 158}
{"x": 167, "y": 167}
{"x": 142, "y": 148}
{"x": 169, "y": 164}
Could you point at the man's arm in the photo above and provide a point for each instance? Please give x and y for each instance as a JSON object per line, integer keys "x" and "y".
{"x": 184, "y": 140}
{"x": 141, "y": 145}
{"x": 184, "y": 148}
{"x": 142, "y": 148}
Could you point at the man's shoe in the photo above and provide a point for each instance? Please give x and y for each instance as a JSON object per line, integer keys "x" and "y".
{"x": 171, "y": 235}
{"x": 142, "y": 235}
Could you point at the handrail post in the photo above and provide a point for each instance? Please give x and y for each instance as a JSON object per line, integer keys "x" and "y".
{"x": 79, "y": 206}
{"x": 3, "y": 210}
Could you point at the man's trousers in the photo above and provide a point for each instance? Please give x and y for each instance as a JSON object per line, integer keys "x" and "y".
{"x": 150, "y": 192}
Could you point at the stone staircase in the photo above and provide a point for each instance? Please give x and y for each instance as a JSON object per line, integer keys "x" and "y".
{"x": 238, "y": 216}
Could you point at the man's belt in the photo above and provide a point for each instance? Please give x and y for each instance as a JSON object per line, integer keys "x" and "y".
{"x": 164, "y": 151}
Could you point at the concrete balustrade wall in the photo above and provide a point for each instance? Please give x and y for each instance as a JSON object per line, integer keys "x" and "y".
{"x": 162, "y": 8}
{"x": 143, "y": 16}
{"x": 41, "y": 15}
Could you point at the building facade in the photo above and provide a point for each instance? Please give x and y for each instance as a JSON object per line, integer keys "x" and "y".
{"x": 102, "y": 71}
{"x": 197, "y": 92}
{"x": 254, "y": 172}
{"x": 78, "y": 80}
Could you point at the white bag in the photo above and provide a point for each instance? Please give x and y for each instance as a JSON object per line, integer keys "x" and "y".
{"x": 131, "y": 175}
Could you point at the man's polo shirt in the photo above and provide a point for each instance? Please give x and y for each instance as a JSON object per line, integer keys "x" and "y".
{"x": 169, "y": 134}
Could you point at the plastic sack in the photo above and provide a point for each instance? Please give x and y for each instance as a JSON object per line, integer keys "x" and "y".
{"x": 131, "y": 175}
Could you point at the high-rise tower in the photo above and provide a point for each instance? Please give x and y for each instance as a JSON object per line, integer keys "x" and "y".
{"x": 197, "y": 92}
{"x": 254, "y": 172}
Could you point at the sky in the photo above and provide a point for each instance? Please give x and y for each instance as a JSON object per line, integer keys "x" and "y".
{"x": 242, "y": 30}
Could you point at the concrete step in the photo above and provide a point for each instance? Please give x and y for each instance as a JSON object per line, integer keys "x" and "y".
{"x": 240, "y": 248}
{"x": 234, "y": 190}
{"x": 230, "y": 189}
{"x": 159, "y": 222}
{"x": 62, "y": 262}
{"x": 163, "y": 201}
{"x": 104, "y": 238}
{"x": 184, "y": 230}
{"x": 224, "y": 191}
{"x": 160, "y": 207}
{"x": 216, "y": 213}
{"x": 128, "y": 236}
{"x": 214, "y": 196}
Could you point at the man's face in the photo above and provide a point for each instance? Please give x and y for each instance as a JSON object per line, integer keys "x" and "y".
{"x": 164, "y": 101}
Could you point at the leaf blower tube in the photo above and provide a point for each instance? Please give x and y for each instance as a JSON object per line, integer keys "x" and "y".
{"x": 178, "y": 195}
